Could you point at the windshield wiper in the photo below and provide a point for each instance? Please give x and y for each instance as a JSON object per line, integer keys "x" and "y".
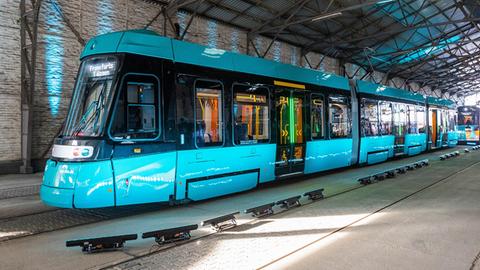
{"x": 98, "y": 105}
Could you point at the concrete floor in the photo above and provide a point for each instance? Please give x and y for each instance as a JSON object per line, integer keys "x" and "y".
{"x": 415, "y": 233}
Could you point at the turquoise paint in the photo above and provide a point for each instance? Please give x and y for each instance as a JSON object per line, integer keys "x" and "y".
{"x": 415, "y": 144}
{"x": 452, "y": 138}
{"x": 386, "y": 91}
{"x": 60, "y": 174}
{"x": 145, "y": 178}
{"x": 215, "y": 161}
{"x": 202, "y": 56}
{"x": 322, "y": 155}
{"x": 377, "y": 157}
{"x": 94, "y": 185}
{"x": 373, "y": 144}
{"x": 205, "y": 189}
{"x": 57, "y": 197}
{"x": 89, "y": 184}
{"x": 148, "y": 43}
{"x": 440, "y": 102}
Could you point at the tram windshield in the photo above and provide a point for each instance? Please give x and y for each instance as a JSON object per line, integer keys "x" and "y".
{"x": 91, "y": 97}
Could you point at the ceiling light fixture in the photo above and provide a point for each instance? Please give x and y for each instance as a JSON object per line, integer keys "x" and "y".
{"x": 327, "y": 16}
{"x": 384, "y": 1}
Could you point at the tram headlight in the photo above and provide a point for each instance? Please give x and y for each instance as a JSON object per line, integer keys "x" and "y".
{"x": 71, "y": 151}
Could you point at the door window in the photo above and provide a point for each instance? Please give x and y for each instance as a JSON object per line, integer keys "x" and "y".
{"x": 317, "y": 117}
{"x": 386, "y": 123}
{"x": 250, "y": 114}
{"x": 208, "y": 113}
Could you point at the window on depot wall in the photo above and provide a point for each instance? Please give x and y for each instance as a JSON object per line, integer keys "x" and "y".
{"x": 137, "y": 112}
{"x": 386, "y": 117}
{"x": 369, "y": 117}
{"x": 208, "y": 113}
{"x": 339, "y": 116}
{"x": 250, "y": 114}
{"x": 317, "y": 116}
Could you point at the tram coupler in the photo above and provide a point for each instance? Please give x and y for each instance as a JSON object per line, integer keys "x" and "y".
{"x": 171, "y": 235}
{"x": 289, "y": 202}
{"x": 223, "y": 222}
{"x": 365, "y": 180}
{"x": 315, "y": 194}
{"x": 261, "y": 211}
{"x": 92, "y": 245}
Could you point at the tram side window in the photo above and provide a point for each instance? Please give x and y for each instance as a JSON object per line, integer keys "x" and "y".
{"x": 137, "y": 109}
{"x": 412, "y": 119}
{"x": 452, "y": 120}
{"x": 208, "y": 113}
{"x": 317, "y": 117}
{"x": 250, "y": 114}
{"x": 339, "y": 116}
{"x": 386, "y": 124}
{"x": 399, "y": 119}
{"x": 369, "y": 114}
{"x": 421, "y": 119}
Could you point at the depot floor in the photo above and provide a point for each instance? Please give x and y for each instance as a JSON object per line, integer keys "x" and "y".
{"x": 428, "y": 218}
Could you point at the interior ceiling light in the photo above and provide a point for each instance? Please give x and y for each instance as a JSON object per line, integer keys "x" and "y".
{"x": 384, "y": 1}
{"x": 327, "y": 16}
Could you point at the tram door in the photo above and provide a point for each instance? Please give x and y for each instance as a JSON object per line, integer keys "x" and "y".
{"x": 290, "y": 114}
{"x": 433, "y": 125}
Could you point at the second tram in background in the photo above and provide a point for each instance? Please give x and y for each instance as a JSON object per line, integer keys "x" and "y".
{"x": 468, "y": 125}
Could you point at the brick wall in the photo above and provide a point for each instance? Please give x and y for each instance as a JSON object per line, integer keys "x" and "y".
{"x": 10, "y": 106}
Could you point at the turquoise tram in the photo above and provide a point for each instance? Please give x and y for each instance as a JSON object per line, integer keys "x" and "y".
{"x": 468, "y": 125}
{"x": 154, "y": 119}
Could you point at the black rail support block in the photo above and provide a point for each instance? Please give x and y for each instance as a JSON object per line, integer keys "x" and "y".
{"x": 380, "y": 176}
{"x": 456, "y": 153}
{"x": 418, "y": 165}
{"x": 223, "y": 222}
{"x": 91, "y": 245}
{"x": 443, "y": 157}
{"x": 315, "y": 194}
{"x": 289, "y": 202}
{"x": 425, "y": 162}
{"x": 410, "y": 167}
{"x": 466, "y": 150}
{"x": 365, "y": 180}
{"x": 261, "y": 211}
{"x": 391, "y": 174}
{"x": 171, "y": 235}
{"x": 401, "y": 170}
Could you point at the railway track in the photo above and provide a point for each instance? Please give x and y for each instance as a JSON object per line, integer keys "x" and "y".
{"x": 16, "y": 192}
{"x": 57, "y": 219}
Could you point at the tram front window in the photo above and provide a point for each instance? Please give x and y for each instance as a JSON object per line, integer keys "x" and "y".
{"x": 92, "y": 95}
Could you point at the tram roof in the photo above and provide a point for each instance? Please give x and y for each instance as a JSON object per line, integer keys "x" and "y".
{"x": 386, "y": 91}
{"x": 149, "y": 43}
{"x": 441, "y": 102}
